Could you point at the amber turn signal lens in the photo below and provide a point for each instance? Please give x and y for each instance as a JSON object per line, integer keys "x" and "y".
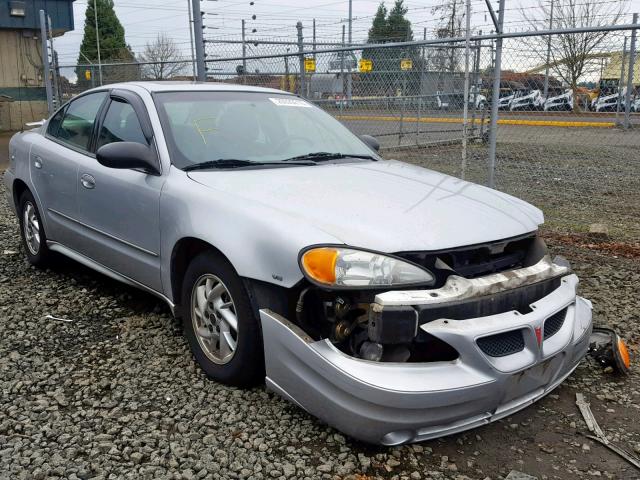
{"x": 320, "y": 264}
{"x": 624, "y": 353}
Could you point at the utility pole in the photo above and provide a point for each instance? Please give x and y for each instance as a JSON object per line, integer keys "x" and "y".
{"x": 349, "y": 80}
{"x": 632, "y": 58}
{"x": 45, "y": 62}
{"x": 95, "y": 15}
{"x": 342, "y": 99}
{"x": 302, "y": 88}
{"x": 465, "y": 114}
{"x": 244, "y": 54}
{"x": 193, "y": 56}
{"x": 199, "y": 41}
{"x": 314, "y": 38}
{"x": 546, "y": 72}
{"x": 493, "y": 129}
{"x": 350, "y": 21}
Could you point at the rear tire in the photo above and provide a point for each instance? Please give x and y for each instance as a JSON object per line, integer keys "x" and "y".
{"x": 34, "y": 239}
{"x": 219, "y": 322}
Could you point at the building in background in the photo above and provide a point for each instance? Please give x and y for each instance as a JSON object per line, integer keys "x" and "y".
{"x": 22, "y": 92}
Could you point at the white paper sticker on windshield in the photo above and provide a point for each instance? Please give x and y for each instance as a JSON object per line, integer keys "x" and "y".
{"x": 289, "y": 102}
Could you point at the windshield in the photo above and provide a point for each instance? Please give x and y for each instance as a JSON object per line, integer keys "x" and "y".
{"x": 205, "y": 126}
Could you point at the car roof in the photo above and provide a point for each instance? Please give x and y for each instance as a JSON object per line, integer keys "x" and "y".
{"x": 173, "y": 86}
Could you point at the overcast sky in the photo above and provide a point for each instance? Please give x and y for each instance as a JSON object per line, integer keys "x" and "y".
{"x": 275, "y": 20}
{"x": 143, "y": 20}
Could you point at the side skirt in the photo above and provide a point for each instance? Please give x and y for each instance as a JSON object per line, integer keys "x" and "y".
{"x": 98, "y": 267}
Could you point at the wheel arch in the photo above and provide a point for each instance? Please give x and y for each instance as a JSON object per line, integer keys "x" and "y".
{"x": 19, "y": 187}
{"x": 183, "y": 252}
{"x": 260, "y": 293}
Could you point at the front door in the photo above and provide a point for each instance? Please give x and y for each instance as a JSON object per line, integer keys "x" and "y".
{"x": 120, "y": 207}
{"x": 54, "y": 161}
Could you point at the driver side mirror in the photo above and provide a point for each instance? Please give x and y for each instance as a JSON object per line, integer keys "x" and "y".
{"x": 128, "y": 155}
{"x": 371, "y": 142}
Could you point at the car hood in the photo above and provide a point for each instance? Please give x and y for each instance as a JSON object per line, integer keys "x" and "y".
{"x": 387, "y": 205}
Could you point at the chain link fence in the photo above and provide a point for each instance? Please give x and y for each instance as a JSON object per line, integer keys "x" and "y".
{"x": 566, "y": 122}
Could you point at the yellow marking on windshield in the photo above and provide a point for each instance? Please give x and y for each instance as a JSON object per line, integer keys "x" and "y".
{"x": 202, "y": 129}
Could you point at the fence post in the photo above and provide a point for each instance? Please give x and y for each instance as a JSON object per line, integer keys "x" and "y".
{"x": 342, "y": 72}
{"x": 199, "y": 41}
{"x": 476, "y": 68}
{"x": 45, "y": 62}
{"x": 623, "y": 64}
{"x": 465, "y": 96}
{"x": 493, "y": 128}
{"x": 632, "y": 58}
{"x": 423, "y": 67}
{"x": 302, "y": 89}
{"x": 546, "y": 70}
{"x": 244, "y": 55}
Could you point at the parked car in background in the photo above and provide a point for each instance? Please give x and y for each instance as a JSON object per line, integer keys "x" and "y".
{"x": 609, "y": 102}
{"x": 455, "y": 101}
{"x": 393, "y": 302}
{"x": 505, "y": 101}
{"x": 563, "y": 101}
{"x": 527, "y": 100}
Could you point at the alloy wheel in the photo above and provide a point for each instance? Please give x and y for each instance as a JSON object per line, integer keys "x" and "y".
{"x": 31, "y": 227}
{"x": 214, "y": 318}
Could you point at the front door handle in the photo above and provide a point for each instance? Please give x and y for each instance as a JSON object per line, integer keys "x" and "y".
{"x": 37, "y": 162}
{"x": 87, "y": 181}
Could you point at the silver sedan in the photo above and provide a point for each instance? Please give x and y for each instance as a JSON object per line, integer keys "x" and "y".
{"x": 391, "y": 301}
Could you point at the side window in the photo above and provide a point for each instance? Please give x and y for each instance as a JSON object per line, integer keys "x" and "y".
{"x": 77, "y": 124}
{"x": 121, "y": 124}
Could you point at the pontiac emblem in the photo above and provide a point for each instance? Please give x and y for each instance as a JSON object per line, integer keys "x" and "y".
{"x": 538, "y": 331}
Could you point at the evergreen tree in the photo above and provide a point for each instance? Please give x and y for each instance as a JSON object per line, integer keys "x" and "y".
{"x": 387, "y": 78}
{"x": 398, "y": 27}
{"x": 113, "y": 46}
{"x": 378, "y": 30}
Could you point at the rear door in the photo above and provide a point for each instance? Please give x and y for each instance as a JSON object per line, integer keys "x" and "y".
{"x": 54, "y": 160}
{"x": 119, "y": 208}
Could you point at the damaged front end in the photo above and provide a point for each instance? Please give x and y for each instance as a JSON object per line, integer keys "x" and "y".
{"x": 497, "y": 327}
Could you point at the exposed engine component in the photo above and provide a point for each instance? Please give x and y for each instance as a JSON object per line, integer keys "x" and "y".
{"x": 371, "y": 351}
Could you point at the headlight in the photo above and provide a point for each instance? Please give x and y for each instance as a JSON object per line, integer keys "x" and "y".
{"x": 347, "y": 267}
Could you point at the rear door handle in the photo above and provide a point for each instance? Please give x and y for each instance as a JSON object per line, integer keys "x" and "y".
{"x": 37, "y": 162}
{"x": 87, "y": 181}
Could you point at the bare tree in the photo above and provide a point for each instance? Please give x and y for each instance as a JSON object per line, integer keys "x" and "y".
{"x": 571, "y": 54}
{"x": 450, "y": 25}
{"x": 166, "y": 57}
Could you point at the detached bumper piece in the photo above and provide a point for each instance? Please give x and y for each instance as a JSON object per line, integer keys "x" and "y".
{"x": 506, "y": 361}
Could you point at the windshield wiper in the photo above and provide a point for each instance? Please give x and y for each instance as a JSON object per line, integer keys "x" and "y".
{"x": 234, "y": 163}
{"x": 326, "y": 156}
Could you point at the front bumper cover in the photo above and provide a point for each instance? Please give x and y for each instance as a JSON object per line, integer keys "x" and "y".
{"x": 396, "y": 403}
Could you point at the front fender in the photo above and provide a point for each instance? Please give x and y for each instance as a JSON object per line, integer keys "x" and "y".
{"x": 261, "y": 243}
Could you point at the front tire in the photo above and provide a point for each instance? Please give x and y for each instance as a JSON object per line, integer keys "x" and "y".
{"x": 34, "y": 240}
{"x": 219, "y": 323}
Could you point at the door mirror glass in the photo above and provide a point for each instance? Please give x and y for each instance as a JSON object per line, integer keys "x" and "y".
{"x": 371, "y": 142}
{"x": 128, "y": 155}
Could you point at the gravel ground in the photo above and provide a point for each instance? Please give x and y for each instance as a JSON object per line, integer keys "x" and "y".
{"x": 115, "y": 394}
